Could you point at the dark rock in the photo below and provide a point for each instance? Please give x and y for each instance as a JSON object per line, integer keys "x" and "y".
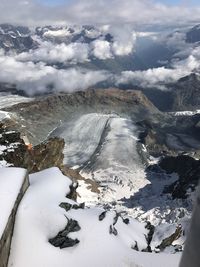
{"x": 73, "y": 193}
{"x": 102, "y": 216}
{"x": 62, "y": 240}
{"x": 65, "y": 206}
{"x": 72, "y": 226}
{"x": 188, "y": 170}
{"x": 135, "y": 247}
{"x": 68, "y": 206}
{"x": 113, "y": 230}
{"x": 126, "y": 221}
{"x": 80, "y": 206}
{"x": 169, "y": 240}
{"x": 149, "y": 237}
{"x": 116, "y": 218}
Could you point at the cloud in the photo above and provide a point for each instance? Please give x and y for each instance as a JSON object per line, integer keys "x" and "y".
{"x": 124, "y": 39}
{"x": 137, "y": 12}
{"x": 159, "y": 77}
{"x": 58, "y": 48}
{"x": 36, "y": 78}
{"x": 54, "y": 53}
{"x": 102, "y": 49}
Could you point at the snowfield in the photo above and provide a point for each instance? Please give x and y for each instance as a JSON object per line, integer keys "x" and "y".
{"x": 7, "y": 100}
{"x": 11, "y": 180}
{"x": 82, "y": 137}
{"x": 40, "y": 218}
{"x": 117, "y": 167}
{"x": 106, "y": 150}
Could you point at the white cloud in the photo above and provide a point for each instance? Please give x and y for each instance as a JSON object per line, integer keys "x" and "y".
{"x": 122, "y": 44}
{"x": 124, "y": 39}
{"x": 101, "y": 49}
{"x": 159, "y": 77}
{"x": 52, "y": 53}
{"x": 37, "y": 77}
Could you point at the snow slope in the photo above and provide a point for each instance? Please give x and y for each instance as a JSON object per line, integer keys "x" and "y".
{"x": 117, "y": 167}
{"x": 82, "y": 137}
{"x": 106, "y": 149}
{"x": 39, "y": 218}
{"x": 11, "y": 180}
{"x": 7, "y": 100}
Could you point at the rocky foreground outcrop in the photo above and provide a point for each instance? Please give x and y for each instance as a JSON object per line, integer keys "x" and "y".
{"x": 14, "y": 151}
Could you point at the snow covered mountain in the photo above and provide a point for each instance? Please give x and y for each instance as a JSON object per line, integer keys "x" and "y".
{"x": 112, "y": 138}
{"x": 15, "y": 38}
{"x": 130, "y": 153}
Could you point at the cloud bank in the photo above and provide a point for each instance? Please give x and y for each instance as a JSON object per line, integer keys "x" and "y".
{"x": 37, "y": 78}
{"x": 159, "y": 77}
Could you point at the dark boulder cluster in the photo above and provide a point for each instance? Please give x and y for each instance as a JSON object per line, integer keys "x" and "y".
{"x": 62, "y": 240}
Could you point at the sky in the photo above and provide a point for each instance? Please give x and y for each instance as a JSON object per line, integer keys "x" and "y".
{"x": 180, "y": 2}
{"x": 137, "y": 12}
{"x": 167, "y": 2}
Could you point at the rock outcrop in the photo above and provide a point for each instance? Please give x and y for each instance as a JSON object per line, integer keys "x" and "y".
{"x": 45, "y": 155}
{"x": 16, "y": 153}
{"x": 188, "y": 170}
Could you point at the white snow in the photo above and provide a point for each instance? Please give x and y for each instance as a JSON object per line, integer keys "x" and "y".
{"x": 4, "y": 115}
{"x": 2, "y": 149}
{"x": 185, "y": 113}
{"x": 105, "y": 148}
{"x": 11, "y": 180}
{"x": 7, "y": 100}
{"x": 57, "y": 33}
{"x": 118, "y": 167}
{"x": 82, "y": 137}
{"x": 4, "y": 163}
{"x": 39, "y": 218}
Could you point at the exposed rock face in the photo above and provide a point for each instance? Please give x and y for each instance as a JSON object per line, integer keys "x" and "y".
{"x": 45, "y": 155}
{"x": 188, "y": 170}
{"x": 16, "y": 153}
{"x": 178, "y": 97}
{"x": 14, "y": 149}
{"x": 5, "y": 241}
{"x": 15, "y": 38}
{"x": 169, "y": 240}
{"x": 171, "y": 135}
{"x": 184, "y": 98}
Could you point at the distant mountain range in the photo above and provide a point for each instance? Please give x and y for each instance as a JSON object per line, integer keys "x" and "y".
{"x": 147, "y": 53}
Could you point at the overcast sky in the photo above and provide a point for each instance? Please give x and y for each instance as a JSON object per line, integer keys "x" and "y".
{"x": 138, "y": 12}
